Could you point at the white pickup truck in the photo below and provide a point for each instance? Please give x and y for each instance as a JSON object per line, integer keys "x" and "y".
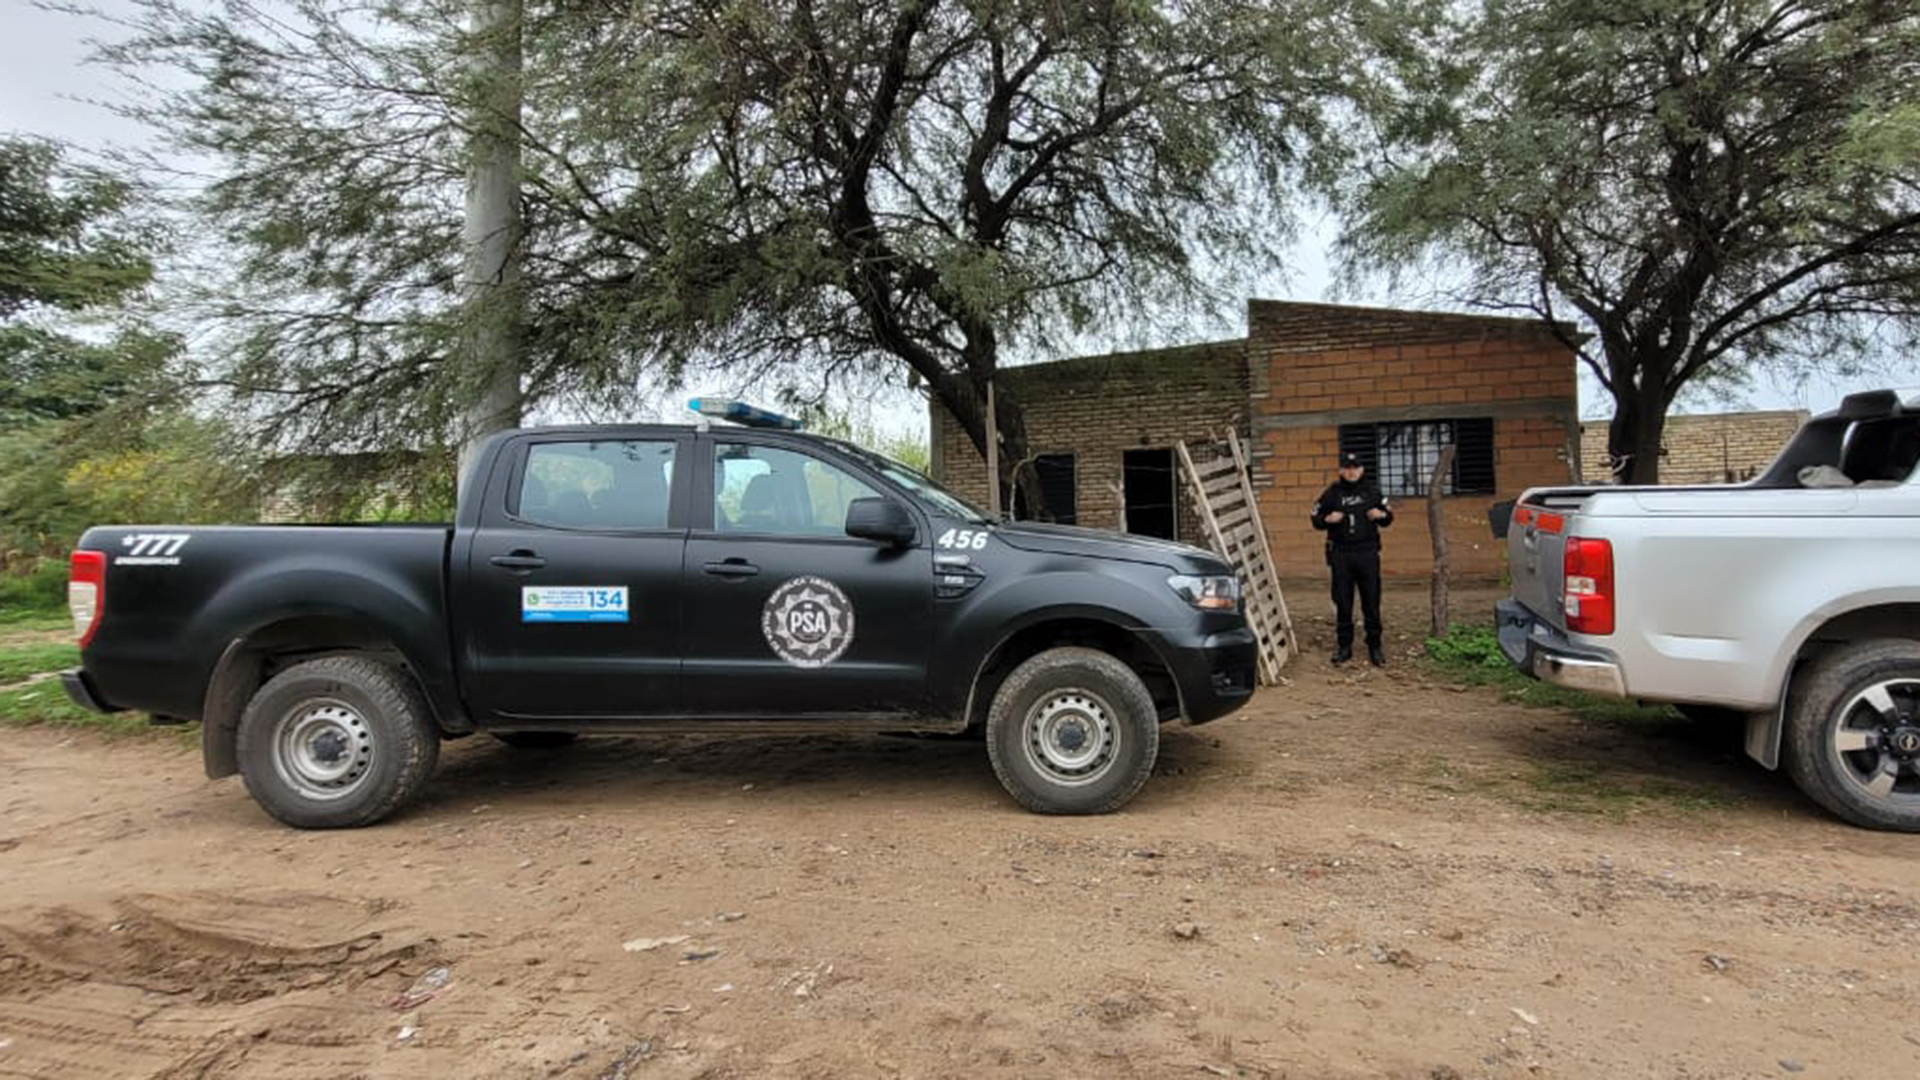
{"x": 1793, "y": 599}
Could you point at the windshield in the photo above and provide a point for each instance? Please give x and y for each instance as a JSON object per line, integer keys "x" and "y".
{"x": 932, "y": 495}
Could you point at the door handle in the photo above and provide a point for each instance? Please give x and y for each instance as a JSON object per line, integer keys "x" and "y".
{"x": 732, "y": 568}
{"x": 520, "y": 561}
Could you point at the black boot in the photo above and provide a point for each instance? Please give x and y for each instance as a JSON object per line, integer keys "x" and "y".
{"x": 1376, "y": 657}
{"x": 1343, "y": 654}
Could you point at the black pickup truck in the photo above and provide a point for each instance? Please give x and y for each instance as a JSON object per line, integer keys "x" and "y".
{"x": 664, "y": 579}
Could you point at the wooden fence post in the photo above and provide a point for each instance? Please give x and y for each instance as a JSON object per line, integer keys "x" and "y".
{"x": 1438, "y": 529}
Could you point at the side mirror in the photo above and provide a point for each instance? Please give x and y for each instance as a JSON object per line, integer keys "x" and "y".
{"x": 880, "y": 519}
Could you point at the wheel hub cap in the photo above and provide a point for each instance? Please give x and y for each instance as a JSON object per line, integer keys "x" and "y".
{"x": 1070, "y": 736}
{"x": 323, "y": 749}
{"x": 1877, "y": 741}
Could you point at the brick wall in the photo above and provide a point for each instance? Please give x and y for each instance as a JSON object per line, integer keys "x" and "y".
{"x": 1098, "y": 407}
{"x": 1314, "y": 367}
{"x": 1302, "y": 371}
{"x": 1715, "y": 449}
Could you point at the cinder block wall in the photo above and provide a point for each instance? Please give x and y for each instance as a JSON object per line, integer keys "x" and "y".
{"x": 1314, "y": 367}
{"x": 1097, "y": 407}
{"x": 1724, "y": 448}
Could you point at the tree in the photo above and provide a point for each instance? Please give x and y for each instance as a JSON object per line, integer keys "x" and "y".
{"x": 92, "y": 424}
{"x": 925, "y": 187}
{"x": 814, "y": 189}
{"x": 1699, "y": 185}
{"x": 67, "y": 250}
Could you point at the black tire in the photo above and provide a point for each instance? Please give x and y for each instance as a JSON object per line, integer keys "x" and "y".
{"x": 1844, "y": 749}
{"x": 535, "y": 740}
{"x": 336, "y": 743}
{"x": 1072, "y": 731}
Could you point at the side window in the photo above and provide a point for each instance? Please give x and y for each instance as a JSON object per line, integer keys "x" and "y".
{"x": 763, "y": 489}
{"x": 597, "y": 485}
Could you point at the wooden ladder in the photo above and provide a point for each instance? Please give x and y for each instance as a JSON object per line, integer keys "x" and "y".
{"x": 1223, "y": 492}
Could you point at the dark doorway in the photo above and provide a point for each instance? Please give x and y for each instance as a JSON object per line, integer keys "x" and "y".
{"x": 1148, "y": 487}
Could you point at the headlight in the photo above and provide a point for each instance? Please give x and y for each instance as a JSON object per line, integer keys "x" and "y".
{"x": 1220, "y": 592}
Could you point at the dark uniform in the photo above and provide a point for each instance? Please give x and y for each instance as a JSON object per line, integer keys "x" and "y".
{"x": 1353, "y": 553}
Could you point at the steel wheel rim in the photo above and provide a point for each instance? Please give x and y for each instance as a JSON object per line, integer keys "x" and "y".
{"x": 1070, "y": 737}
{"x": 323, "y": 749}
{"x": 1876, "y": 741}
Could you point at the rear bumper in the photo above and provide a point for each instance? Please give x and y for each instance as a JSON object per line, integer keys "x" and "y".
{"x": 81, "y": 692}
{"x": 1544, "y": 652}
{"x": 1215, "y": 673}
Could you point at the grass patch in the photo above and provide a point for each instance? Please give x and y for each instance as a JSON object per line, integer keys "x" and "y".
{"x": 19, "y": 660}
{"x": 1471, "y": 654}
{"x": 1568, "y": 788}
{"x": 44, "y": 704}
{"x": 38, "y": 593}
{"x": 35, "y": 630}
{"x": 1573, "y": 788}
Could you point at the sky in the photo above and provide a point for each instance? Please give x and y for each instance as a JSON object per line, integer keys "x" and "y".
{"x": 47, "y": 88}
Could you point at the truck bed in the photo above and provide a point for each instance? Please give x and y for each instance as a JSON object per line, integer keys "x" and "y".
{"x": 177, "y": 595}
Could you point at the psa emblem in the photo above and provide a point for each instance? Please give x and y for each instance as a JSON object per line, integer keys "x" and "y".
{"x": 808, "y": 622}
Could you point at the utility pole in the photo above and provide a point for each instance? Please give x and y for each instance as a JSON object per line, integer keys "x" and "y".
{"x": 495, "y": 305}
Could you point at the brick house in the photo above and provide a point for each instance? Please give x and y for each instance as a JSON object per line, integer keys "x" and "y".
{"x": 1307, "y": 381}
{"x": 1723, "y": 448}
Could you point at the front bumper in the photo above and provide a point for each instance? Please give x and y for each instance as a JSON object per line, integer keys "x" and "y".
{"x": 1215, "y": 673}
{"x": 81, "y": 692}
{"x": 1546, "y": 653}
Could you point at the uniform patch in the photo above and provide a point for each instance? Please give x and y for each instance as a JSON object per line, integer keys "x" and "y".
{"x": 808, "y": 621}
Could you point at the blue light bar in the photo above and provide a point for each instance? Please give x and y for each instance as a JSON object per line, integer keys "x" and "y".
{"x": 743, "y": 414}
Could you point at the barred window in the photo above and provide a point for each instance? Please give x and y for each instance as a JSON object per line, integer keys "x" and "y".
{"x": 1400, "y": 456}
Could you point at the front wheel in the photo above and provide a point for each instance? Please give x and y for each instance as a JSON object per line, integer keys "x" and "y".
{"x": 336, "y": 743}
{"x": 1853, "y": 733}
{"x": 1072, "y": 731}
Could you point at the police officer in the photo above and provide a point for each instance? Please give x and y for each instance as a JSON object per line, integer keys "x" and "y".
{"x": 1352, "y": 512}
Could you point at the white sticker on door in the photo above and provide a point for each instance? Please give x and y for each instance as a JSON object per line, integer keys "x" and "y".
{"x": 573, "y": 603}
{"x": 808, "y": 621}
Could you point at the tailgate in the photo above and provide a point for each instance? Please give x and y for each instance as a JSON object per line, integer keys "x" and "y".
{"x": 1536, "y": 549}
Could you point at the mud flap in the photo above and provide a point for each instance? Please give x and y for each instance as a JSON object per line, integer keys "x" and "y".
{"x": 1763, "y": 734}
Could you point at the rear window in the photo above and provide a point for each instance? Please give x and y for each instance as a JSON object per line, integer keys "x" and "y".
{"x": 597, "y": 485}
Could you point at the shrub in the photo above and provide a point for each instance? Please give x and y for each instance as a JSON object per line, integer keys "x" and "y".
{"x": 39, "y": 589}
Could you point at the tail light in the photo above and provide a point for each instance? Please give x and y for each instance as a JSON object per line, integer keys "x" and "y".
{"x": 1589, "y": 585}
{"x": 87, "y": 592}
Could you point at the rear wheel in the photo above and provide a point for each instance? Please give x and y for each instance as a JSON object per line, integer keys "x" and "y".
{"x": 1073, "y": 731}
{"x": 336, "y": 743}
{"x": 535, "y": 740}
{"x": 1853, "y": 737}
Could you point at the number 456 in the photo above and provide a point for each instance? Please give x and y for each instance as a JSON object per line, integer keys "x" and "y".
{"x": 964, "y": 539}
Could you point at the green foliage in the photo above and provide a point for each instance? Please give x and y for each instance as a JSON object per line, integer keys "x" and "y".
{"x": 389, "y": 486}
{"x": 45, "y": 704}
{"x": 64, "y": 241}
{"x": 909, "y": 448}
{"x": 34, "y": 658}
{"x": 1469, "y": 650}
{"x": 95, "y": 424}
{"x": 38, "y": 590}
{"x": 819, "y": 192}
{"x": 1471, "y": 654}
{"x": 125, "y": 465}
{"x": 1704, "y": 187}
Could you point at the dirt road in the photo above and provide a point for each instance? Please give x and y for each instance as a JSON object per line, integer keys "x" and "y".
{"x": 1363, "y": 874}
